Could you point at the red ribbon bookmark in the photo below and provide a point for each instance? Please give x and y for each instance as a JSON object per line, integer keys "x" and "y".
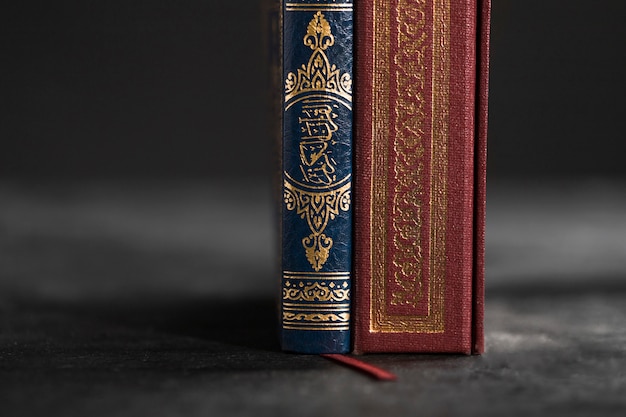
{"x": 371, "y": 370}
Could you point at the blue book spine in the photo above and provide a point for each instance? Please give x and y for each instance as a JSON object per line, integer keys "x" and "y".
{"x": 317, "y": 175}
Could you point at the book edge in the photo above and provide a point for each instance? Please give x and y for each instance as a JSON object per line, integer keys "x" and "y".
{"x": 484, "y": 17}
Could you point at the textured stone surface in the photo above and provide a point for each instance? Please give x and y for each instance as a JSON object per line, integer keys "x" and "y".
{"x": 156, "y": 299}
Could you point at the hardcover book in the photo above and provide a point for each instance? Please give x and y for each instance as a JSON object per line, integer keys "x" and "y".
{"x": 316, "y": 175}
{"x": 420, "y": 150}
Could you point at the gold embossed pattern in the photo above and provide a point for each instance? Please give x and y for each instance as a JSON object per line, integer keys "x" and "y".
{"x": 409, "y": 116}
{"x": 400, "y": 140}
{"x": 316, "y": 304}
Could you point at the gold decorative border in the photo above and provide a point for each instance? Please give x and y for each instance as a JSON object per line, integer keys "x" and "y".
{"x": 297, "y": 7}
{"x": 342, "y": 318}
{"x": 380, "y": 319}
{"x": 316, "y": 275}
{"x": 316, "y": 291}
{"x": 340, "y": 326}
{"x": 303, "y": 316}
{"x": 327, "y": 7}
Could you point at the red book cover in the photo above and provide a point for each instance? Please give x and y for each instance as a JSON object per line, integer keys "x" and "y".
{"x": 420, "y": 151}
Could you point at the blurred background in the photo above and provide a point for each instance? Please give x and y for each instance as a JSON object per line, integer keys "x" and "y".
{"x": 164, "y": 89}
{"x": 136, "y": 222}
{"x": 158, "y": 91}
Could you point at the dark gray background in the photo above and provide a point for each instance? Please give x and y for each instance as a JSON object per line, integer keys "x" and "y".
{"x": 153, "y": 89}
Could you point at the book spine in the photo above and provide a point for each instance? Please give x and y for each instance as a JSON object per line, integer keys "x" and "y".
{"x": 317, "y": 175}
{"x": 418, "y": 162}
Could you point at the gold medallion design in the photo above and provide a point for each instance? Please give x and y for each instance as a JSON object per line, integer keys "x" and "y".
{"x": 318, "y": 196}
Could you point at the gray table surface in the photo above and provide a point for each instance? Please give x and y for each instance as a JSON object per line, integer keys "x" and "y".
{"x": 157, "y": 299}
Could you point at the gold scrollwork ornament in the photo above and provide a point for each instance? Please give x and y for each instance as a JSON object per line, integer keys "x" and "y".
{"x": 317, "y": 317}
{"x": 318, "y": 209}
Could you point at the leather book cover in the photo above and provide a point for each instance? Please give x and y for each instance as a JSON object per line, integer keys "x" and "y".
{"x": 420, "y": 151}
{"x": 317, "y": 40}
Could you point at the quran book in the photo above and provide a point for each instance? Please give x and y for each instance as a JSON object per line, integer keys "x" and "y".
{"x": 419, "y": 176}
{"x": 316, "y": 175}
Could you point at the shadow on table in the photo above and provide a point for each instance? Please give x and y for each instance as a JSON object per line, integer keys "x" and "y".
{"x": 248, "y": 322}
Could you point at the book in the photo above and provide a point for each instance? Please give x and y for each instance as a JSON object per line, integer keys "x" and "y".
{"x": 316, "y": 230}
{"x": 419, "y": 176}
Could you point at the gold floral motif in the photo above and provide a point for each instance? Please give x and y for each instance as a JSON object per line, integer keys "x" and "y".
{"x": 317, "y": 249}
{"x": 318, "y": 75}
{"x": 316, "y": 291}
